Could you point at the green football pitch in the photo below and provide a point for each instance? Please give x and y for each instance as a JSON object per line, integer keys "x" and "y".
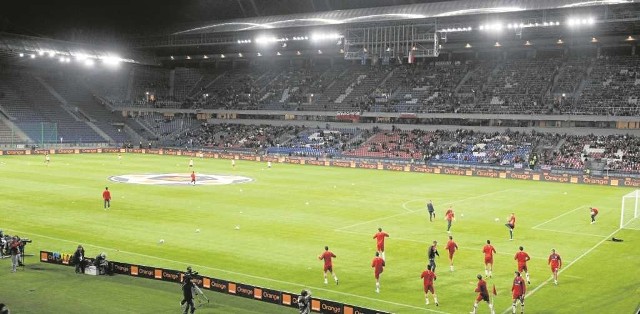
{"x": 269, "y": 232}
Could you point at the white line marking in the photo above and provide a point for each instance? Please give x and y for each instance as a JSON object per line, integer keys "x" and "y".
{"x": 565, "y": 268}
{"x": 235, "y": 273}
{"x": 415, "y": 210}
{"x": 562, "y": 215}
{"x": 571, "y": 232}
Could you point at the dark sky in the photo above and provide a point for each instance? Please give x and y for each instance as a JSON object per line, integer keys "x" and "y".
{"x": 66, "y": 19}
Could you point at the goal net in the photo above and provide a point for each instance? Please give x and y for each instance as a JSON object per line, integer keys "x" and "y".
{"x": 629, "y": 213}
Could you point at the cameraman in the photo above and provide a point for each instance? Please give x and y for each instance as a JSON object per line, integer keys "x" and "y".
{"x": 304, "y": 302}
{"x": 14, "y": 250}
{"x": 102, "y": 264}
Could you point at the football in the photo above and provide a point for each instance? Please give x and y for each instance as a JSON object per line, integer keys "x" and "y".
{"x": 497, "y": 219}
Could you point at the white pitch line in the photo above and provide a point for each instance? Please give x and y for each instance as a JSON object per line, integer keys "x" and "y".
{"x": 571, "y": 232}
{"x": 415, "y": 210}
{"x": 236, "y": 273}
{"x": 554, "y": 218}
{"x": 565, "y": 268}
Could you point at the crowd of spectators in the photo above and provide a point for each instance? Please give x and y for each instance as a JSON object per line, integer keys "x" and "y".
{"x": 462, "y": 146}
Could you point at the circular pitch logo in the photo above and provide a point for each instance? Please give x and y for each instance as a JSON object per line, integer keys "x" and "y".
{"x": 179, "y": 179}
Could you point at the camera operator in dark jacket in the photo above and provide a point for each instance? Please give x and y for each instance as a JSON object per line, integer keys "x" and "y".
{"x": 102, "y": 264}
{"x": 187, "y": 294}
{"x": 78, "y": 260}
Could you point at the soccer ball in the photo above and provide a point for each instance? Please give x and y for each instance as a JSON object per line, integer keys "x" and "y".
{"x": 461, "y": 215}
{"x": 197, "y": 230}
{"x": 237, "y": 227}
{"x": 497, "y": 219}
{"x": 161, "y": 241}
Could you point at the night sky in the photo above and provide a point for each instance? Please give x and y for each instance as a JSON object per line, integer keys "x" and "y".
{"x": 68, "y": 19}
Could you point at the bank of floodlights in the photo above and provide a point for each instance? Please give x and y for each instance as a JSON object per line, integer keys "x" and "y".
{"x": 580, "y": 21}
{"x": 456, "y": 29}
{"x": 325, "y": 36}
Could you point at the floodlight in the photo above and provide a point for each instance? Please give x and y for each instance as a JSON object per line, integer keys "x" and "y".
{"x": 319, "y": 51}
{"x": 111, "y": 60}
{"x": 629, "y": 38}
{"x": 41, "y": 53}
{"x": 481, "y": 27}
{"x": 594, "y": 40}
{"x": 560, "y": 42}
{"x": 527, "y": 43}
{"x": 591, "y": 21}
{"x": 61, "y": 59}
{"x": 259, "y": 54}
{"x": 205, "y": 57}
{"x": 80, "y": 56}
{"x": 298, "y": 52}
{"x": 89, "y": 62}
{"x": 172, "y": 58}
{"x": 240, "y": 54}
{"x": 467, "y": 45}
{"x": 497, "y": 44}
{"x": 21, "y": 55}
{"x": 222, "y": 56}
{"x": 278, "y": 53}
{"x": 188, "y": 57}
{"x": 33, "y": 56}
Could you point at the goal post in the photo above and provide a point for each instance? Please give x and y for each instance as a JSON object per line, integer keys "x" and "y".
{"x": 629, "y": 209}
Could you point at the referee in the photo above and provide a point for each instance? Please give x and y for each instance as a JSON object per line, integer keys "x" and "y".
{"x": 433, "y": 251}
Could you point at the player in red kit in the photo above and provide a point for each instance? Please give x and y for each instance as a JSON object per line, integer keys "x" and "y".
{"x": 594, "y": 213}
{"x": 449, "y": 216}
{"x": 428, "y": 277}
{"x": 379, "y": 236}
{"x": 328, "y": 264}
{"x": 522, "y": 257}
{"x": 555, "y": 262}
{"x": 378, "y": 267}
{"x": 193, "y": 177}
{"x": 511, "y": 224}
{"x": 488, "y": 251}
{"x": 106, "y": 196}
{"x": 483, "y": 295}
{"x": 452, "y": 247}
{"x": 518, "y": 290}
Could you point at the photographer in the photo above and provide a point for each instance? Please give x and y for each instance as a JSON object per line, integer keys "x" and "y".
{"x": 78, "y": 260}
{"x": 14, "y": 250}
{"x": 304, "y": 302}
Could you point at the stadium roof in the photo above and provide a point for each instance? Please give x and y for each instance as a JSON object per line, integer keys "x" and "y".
{"x": 394, "y": 13}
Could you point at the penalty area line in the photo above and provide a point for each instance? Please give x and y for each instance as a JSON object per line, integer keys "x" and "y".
{"x": 556, "y": 217}
{"x": 565, "y": 268}
{"x": 234, "y": 273}
{"x": 408, "y": 211}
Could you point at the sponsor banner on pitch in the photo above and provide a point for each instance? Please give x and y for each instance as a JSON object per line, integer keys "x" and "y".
{"x": 240, "y": 289}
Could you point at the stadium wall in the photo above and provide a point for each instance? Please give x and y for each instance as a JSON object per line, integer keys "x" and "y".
{"x": 516, "y": 174}
{"x": 283, "y": 298}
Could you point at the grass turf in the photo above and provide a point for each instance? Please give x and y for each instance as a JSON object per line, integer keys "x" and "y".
{"x": 287, "y": 215}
